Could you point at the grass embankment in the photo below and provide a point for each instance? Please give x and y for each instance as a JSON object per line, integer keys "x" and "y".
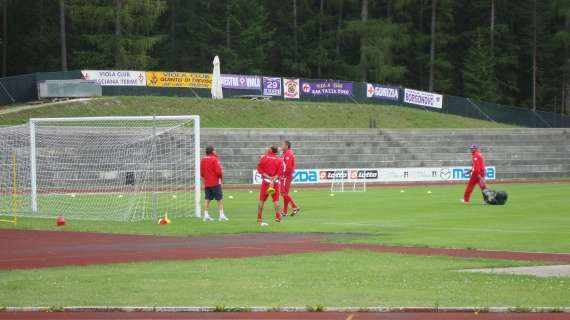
{"x": 233, "y": 113}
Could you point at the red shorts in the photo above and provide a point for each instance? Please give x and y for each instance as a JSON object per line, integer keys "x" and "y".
{"x": 285, "y": 183}
{"x": 263, "y": 195}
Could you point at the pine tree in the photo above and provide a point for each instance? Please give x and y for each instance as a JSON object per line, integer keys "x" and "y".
{"x": 380, "y": 42}
{"x": 251, "y": 38}
{"x": 479, "y": 70}
{"x": 115, "y": 33}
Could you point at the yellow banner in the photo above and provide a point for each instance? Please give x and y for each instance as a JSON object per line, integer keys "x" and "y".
{"x": 178, "y": 79}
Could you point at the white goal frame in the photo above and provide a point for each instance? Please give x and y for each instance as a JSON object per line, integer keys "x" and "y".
{"x": 338, "y": 184}
{"x": 196, "y": 126}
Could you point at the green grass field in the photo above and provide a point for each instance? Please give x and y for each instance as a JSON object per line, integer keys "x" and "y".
{"x": 535, "y": 219}
{"x": 348, "y": 278}
{"x": 255, "y": 114}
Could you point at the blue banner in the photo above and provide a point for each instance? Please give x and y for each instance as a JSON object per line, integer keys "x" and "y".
{"x": 235, "y": 81}
{"x": 324, "y": 88}
{"x": 271, "y": 86}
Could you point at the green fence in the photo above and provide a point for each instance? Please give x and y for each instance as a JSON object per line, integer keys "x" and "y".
{"x": 23, "y": 88}
{"x": 18, "y": 89}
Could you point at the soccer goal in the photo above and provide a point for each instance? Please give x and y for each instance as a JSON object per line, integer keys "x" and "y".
{"x": 114, "y": 168}
{"x": 341, "y": 181}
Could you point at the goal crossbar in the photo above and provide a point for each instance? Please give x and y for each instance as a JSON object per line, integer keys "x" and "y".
{"x": 115, "y": 118}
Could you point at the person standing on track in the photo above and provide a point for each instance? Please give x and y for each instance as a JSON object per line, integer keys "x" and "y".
{"x": 477, "y": 173}
{"x": 286, "y": 179}
{"x": 212, "y": 173}
{"x": 270, "y": 167}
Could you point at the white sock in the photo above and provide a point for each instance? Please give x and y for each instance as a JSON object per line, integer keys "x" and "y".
{"x": 222, "y": 213}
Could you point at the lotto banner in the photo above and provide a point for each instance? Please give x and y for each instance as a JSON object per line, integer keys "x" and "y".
{"x": 115, "y": 78}
{"x": 272, "y": 86}
{"x": 291, "y": 89}
{"x": 382, "y": 92}
{"x": 428, "y": 174}
{"x": 234, "y": 81}
{"x": 325, "y": 88}
{"x": 422, "y": 98}
{"x": 178, "y": 79}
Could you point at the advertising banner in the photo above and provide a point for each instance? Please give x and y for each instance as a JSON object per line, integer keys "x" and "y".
{"x": 382, "y": 92}
{"x": 291, "y": 88}
{"x": 422, "y": 98}
{"x": 301, "y": 176}
{"x": 115, "y": 78}
{"x": 324, "y": 88}
{"x": 427, "y": 174}
{"x": 178, "y": 79}
{"x": 235, "y": 81}
{"x": 271, "y": 86}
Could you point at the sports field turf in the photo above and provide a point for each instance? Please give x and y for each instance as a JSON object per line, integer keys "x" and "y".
{"x": 535, "y": 219}
{"x": 348, "y": 278}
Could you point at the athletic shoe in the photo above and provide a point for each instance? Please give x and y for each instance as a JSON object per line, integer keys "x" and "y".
{"x": 208, "y": 218}
{"x": 283, "y": 214}
{"x": 463, "y": 201}
{"x": 295, "y": 211}
{"x": 223, "y": 218}
{"x": 277, "y": 219}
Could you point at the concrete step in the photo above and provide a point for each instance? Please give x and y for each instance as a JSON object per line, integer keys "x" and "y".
{"x": 464, "y": 147}
{"x": 364, "y": 131}
{"x": 556, "y": 158}
{"x": 449, "y": 149}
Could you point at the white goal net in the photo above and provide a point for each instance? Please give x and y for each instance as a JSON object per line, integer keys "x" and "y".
{"x": 341, "y": 181}
{"x": 115, "y": 168}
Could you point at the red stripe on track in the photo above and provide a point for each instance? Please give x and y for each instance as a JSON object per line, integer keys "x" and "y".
{"x": 24, "y": 249}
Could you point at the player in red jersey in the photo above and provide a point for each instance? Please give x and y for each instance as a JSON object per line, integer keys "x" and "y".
{"x": 212, "y": 175}
{"x": 477, "y": 173}
{"x": 270, "y": 167}
{"x": 286, "y": 178}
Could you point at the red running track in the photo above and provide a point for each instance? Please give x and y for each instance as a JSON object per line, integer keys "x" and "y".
{"x": 25, "y": 249}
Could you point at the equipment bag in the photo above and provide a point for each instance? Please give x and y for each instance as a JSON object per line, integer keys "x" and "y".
{"x": 495, "y": 197}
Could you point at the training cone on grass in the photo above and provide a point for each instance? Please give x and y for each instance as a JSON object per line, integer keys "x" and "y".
{"x": 60, "y": 221}
{"x": 164, "y": 220}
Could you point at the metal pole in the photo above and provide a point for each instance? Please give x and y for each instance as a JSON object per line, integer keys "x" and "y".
{"x": 33, "y": 181}
{"x": 197, "y": 179}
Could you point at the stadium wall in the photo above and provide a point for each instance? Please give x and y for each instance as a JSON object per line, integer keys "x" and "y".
{"x": 515, "y": 153}
{"x": 376, "y": 155}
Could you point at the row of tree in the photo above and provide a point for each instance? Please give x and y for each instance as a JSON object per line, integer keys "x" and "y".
{"x": 507, "y": 51}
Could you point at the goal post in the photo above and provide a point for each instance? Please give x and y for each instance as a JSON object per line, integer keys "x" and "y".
{"x": 117, "y": 168}
{"x": 342, "y": 180}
